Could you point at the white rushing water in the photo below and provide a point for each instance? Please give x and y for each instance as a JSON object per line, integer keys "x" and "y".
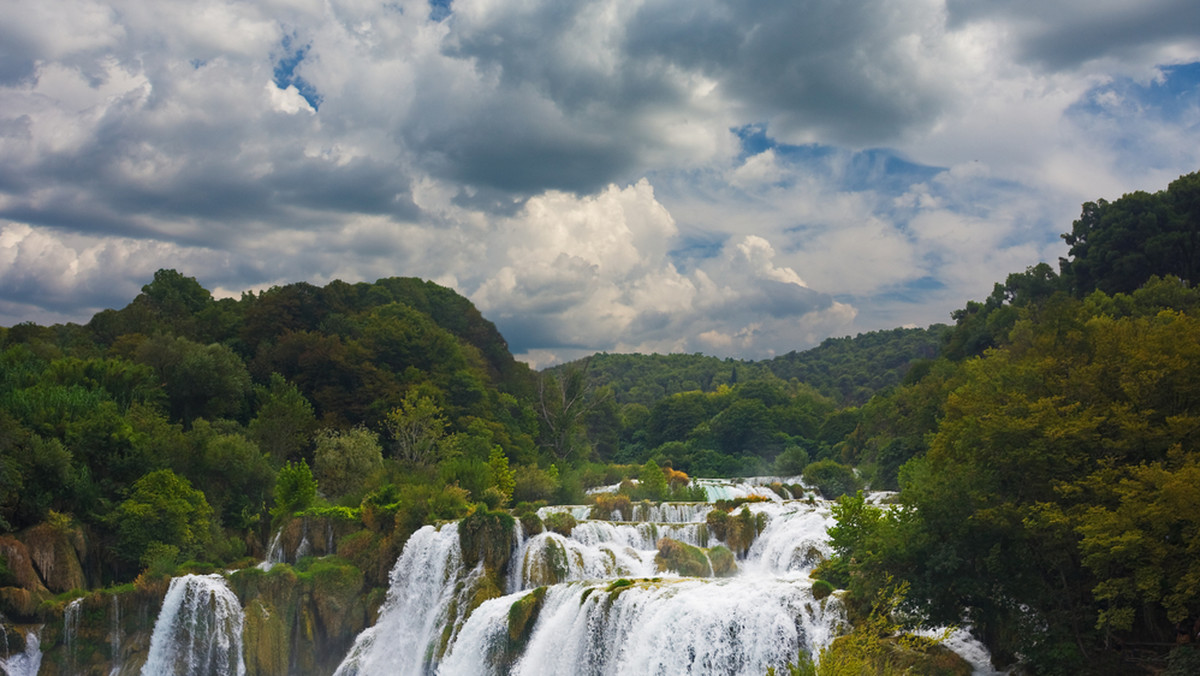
{"x": 25, "y": 663}
{"x": 114, "y": 636}
{"x": 198, "y": 631}
{"x": 71, "y": 632}
{"x": 423, "y": 587}
{"x": 653, "y": 621}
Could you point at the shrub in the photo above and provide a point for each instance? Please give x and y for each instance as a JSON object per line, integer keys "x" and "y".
{"x": 833, "y": 479}
{"x": 607, "y": 504}
{"x": 560, "y": 522}
{"x": 682, "y": 558}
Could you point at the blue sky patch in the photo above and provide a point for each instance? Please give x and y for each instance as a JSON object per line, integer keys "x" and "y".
{"x": 878, "y": 169}
{"x": 439, "y": 9}
{"x": 285, "y": 72}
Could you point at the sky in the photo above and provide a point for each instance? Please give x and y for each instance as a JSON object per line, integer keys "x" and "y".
{"x": 741, "y": 179}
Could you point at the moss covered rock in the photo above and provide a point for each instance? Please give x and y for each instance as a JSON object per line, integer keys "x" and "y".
{"x": 724, "y": 563}
{"x": 682, "y": 558}
{"x": 55, "y": 552}
{"x": 487, "y": 537}
{"x": 561, "y": 522}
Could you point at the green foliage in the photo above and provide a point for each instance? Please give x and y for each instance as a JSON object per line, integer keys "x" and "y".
{"x": 487, "y": 537}
{"x": 792, "y": 461}
{"x": 1117, "y": 246}
{"x": 831, "y": 478}
{"x": 851, "y": 370}
{"x": 1142, "y": 541}
{"x": 415, "y": 427}
{"x": 531, "y": 484}
{"x": 343, "y": 460}
{"x": 564, "y": 402}
{"x": 821, "y": 589}
{"x": 295, "y": 489}
{"x": 682, "y": 558}
{"x": 163, "y": 508}
{"x": 237, "y": 477}
{"x": 504, "y": 478}
{"x": 652, "y": 484}
{"x": 284, "y": 421}
{"x": 560, "y": 522}
{"x": 202, "y": 381}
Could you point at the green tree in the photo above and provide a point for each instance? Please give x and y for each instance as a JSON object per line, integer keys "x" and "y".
{"x": 416, "y": 427}
{"x": 295, "y": 489}
{"x": 505, "y": 478}
{"x": 564, "y": 401}
{"x": 284, "y": 421}
{"x": 162, "y": 508}
{"x": 202, "y": 381}
{"x": 343, "y": 460}
{"x": 1143, "y": 541}
{"x": 652, "y": 483}
{"x": 1117, "y": 246}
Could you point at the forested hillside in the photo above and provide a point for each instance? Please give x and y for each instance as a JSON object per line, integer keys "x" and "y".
{"x": 1051, "y": 494}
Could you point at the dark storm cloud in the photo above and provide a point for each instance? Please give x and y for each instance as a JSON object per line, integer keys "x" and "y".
{"x": 848, "y": 72}
{"x": 1067, "y": 34}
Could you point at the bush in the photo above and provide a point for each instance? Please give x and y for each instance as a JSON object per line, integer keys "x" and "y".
{"x": 792, "y": 461}
{"x": 607, "y": 504}
{"x": 295, "y": 490}
{"x": 682, "y": 558}
{"x": 560, "y": 522}
{"x": 531, "y": 484}
{"x": 163, "y": 508}
{"x": 833, "y": 479}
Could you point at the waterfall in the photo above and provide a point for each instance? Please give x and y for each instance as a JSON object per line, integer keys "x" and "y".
{"x": 71, "y": 632}
{"x": 274, "y": 552}
{"x": 114, "y": 636}
{"x": 198, "y": 631}
{"x": 405, "y": 640}
{"x": 683, "y": 626}
{"x": 594, "y": 602}
{"x": 25, "y": 663}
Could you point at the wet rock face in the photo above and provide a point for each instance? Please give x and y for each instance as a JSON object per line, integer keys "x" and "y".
{"x": 300, "y": 621}
{"x": 56, "y": 554}
{"x": 20, "y": 564}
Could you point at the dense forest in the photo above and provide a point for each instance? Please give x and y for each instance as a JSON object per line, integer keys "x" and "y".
{"x": 1044, "y": 446}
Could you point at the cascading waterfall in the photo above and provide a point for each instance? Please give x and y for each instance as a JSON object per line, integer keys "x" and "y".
{"x": 198, "y": 631}
{"x": 71, "y": 632}
{"x": 24, "y": 663}
{"x": 417, "y": 609}
{"x": 114, "y": 636}
{"x": 274, "y": 552}
{"x": 568, "y": 609}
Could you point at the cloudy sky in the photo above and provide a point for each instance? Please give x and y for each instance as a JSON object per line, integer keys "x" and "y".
{"x": 734, "y": 178}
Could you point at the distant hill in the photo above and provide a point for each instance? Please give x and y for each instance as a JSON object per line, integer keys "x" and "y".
{"x": 851, "y": 370}
{"x": 847, "y": 370}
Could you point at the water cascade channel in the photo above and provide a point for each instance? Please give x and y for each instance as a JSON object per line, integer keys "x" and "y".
{"x": 198, "y": 631}
{"x": 596, "y": 601}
